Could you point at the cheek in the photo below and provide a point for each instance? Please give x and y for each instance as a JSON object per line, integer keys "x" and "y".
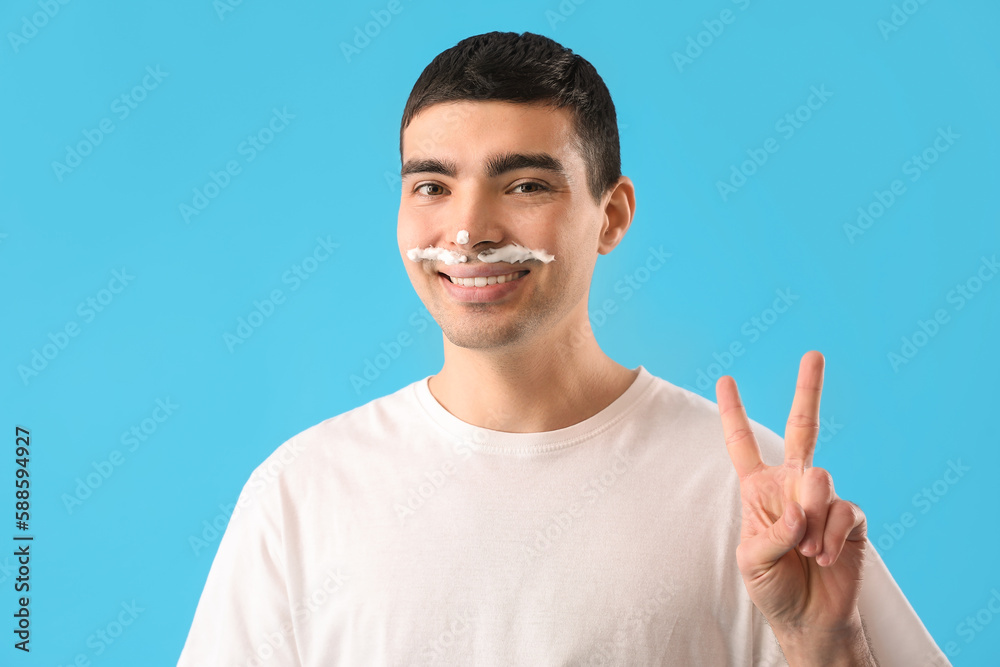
{"x": 403, "y": 230}
{"x": 412, "y": 232}
{"x": 571, "y": 236}
{"x": 408, "y": 236}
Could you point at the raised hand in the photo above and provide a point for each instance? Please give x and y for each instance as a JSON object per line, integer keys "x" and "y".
{"x": 801, "y": 548}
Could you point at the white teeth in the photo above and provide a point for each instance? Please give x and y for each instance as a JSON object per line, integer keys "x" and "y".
{"x": 483, "y": 281}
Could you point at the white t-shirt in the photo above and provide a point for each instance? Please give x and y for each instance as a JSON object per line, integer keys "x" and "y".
{"x": 397, "y": 534}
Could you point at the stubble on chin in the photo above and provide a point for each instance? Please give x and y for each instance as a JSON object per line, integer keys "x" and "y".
{"x": 486, "y": 333}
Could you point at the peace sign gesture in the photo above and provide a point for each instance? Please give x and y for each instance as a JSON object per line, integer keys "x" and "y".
{"x": 801, "y": 548}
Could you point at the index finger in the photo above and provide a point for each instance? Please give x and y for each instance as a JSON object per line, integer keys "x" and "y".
{"x": 740, "y": 441}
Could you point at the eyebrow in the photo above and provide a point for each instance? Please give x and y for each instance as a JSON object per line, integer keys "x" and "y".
{"x": 495, "y": 165}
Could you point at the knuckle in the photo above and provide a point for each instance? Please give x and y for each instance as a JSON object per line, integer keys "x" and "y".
{"x": 820, "y": 476}
{"x": 793, "y": 464}
{"x": 850, "y": 512}
{"x": 803, "y": 421}
{"x": 738, "y": 435}
{"x": 856, "y": 512}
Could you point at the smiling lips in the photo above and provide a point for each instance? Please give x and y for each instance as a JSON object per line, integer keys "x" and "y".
{"x": 480, "y": 284}
{"x": 483, "y": 281}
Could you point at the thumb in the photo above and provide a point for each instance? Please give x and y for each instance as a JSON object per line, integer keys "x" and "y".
{"x": 756, "y": 555}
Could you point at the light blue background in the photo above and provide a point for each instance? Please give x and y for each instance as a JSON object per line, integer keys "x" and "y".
{"x": 325, "y": 174}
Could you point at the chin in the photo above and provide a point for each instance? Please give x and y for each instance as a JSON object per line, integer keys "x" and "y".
{"x": 486, "y": 337}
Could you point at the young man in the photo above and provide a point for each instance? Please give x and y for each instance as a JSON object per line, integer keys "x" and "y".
{"x": 535, "y": 502}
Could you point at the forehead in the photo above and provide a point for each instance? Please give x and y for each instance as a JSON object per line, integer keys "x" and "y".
{"x": 465, "y": 131}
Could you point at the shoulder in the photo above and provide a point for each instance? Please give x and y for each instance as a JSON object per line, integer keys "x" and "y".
{"x": 696, "y": 419}
{"x": 337, "y": 442}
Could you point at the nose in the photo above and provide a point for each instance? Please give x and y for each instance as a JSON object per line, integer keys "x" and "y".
{"x": 474, "y": 223}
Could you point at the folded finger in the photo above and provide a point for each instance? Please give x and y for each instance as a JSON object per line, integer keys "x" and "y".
{"x": 759, "y": 553}
{"x": 845, "y": 521}
{"x": 815, "y": 494}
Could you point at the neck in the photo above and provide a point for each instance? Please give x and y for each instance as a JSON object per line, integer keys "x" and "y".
{"x": 530, "y": 387}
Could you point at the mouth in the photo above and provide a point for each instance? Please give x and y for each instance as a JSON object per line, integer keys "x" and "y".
{"x": 483, "y": 281}
{"x": 480, "y": 289}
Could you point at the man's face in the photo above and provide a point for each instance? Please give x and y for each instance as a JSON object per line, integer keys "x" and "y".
{"x": 461, "y": 172}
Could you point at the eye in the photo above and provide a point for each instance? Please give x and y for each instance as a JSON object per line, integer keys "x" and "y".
{"x": 539, "y": 186}
{"x": 427, "y": 185}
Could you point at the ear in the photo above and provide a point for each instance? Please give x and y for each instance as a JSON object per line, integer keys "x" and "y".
{"x": 619, "y": 209}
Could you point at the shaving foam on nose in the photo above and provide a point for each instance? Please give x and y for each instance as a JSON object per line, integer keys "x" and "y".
{"x": 462, "y": 238}
{"x": 511, "y": 253}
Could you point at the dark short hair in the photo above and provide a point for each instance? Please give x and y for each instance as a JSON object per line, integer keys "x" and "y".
{"x": 527, "y": 68}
